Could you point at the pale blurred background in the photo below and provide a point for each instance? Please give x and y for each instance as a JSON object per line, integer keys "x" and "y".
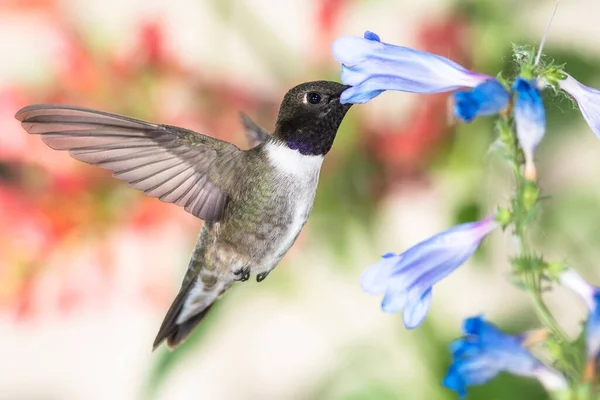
{"x": 89, "y": 267}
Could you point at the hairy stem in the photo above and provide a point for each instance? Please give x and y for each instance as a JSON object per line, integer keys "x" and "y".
{"x": 531, "y": 269}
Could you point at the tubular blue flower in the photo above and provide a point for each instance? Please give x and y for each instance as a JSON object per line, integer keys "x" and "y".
{"x": 530, "y": 119}
{"x": 591, "y": 296}
{"x": 587, "y": 98}
{"x": 371, "y": 67}
{"x": 488, "y": 98}
{"x": 406, "y": 279}
{"x": 485, "y": 351}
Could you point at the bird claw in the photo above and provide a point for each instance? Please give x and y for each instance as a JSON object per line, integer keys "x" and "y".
{"x": 261, "y": 277}
{"x": 243, "y": 274}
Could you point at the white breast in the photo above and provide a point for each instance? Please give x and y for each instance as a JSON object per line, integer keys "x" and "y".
{"x": 292, "y": 162}
{"x": 301, "y": 175}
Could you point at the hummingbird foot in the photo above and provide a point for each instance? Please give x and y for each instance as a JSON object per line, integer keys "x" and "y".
{"x": 243, "y": 274}
{"x": 261, "y": 277}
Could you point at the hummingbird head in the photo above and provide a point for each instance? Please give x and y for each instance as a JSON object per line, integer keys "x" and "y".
{"x": 309, "y": 117}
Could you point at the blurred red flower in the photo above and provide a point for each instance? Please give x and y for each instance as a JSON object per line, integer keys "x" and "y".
{"x": 59, "y": 217}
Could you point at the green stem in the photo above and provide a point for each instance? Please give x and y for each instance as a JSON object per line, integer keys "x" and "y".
{"x": 522, "y": 208}
{"x": 533, "y": 284}
{"x": 546, "y": 316}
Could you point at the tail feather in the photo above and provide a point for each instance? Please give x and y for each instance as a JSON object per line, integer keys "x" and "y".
{"x": 175, "y": 334}
{"x": 189, "y": 308}
{"x": 171, "y": 331}
{"x": 169, "y": 325}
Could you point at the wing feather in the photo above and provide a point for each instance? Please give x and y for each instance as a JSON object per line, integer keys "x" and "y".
{"x": 254, "y": 133}
{"x": 173, "y": 164}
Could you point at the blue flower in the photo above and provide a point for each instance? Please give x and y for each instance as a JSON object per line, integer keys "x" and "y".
{"x": 530, "y": 119}
{"x": 407, "y": 278}
{"x": 591, "y": 296}
{"x": 587, "y": 98}
{"x": 592, "y": 329}
{"x": 371, "y": 67}
{"x": 485, "y": 351}
{"x": 488, "y": 98}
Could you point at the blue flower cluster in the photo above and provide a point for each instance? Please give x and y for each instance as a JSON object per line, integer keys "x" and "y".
{"x": 485, "y": 351}
{"x": 371, "y": 67}
{"x": 405, "y": 280}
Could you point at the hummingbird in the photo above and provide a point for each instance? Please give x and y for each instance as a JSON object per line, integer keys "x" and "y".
{"x": 254, "y": 202}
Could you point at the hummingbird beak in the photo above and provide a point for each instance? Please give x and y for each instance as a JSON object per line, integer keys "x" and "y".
{"x": 344, "y": 88}
{"x": 346, "y": 105}
{"x": 339, "y": 93}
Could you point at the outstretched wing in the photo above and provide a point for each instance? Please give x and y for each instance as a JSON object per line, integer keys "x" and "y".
{"x": 176, "y": 165}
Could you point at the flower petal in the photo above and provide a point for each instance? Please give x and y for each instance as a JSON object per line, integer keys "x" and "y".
{"x": 478, "y": 370}
{"x": 454, "y": 381}
{"x": 431, "y": 260}
{"x": 372, "y": 36}
{"x": 571, "y": 279}
{"x": 530, "y": 119}
{"x": 458, "y": 237}
{"x": 415, "y": 313}
{"x": 487, "y": 98}
{"x": 464, "y": 347}
{"x": 474, "y": 325}
{"x": 588, "y": 100}
{"x": 433, "y": 273}
{"x": 591, "y": 296}
{"x": 487, "y": 332}
{"x": 375, "y": 279}
{"x": 372, "y": 66}
{"x": 394, "y": 301}
{"x": 551, "y": 380}
{"x": 364, "y": 92}
{"x": 351, "y": 50}
{"x": 407, "y": 278}
{"x": 487, "y": 351}
{"x": 409, "y": 282}
{"x": 592, "y": 330}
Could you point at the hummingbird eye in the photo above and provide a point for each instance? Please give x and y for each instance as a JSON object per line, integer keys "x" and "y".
{"x": 313, "y": 97}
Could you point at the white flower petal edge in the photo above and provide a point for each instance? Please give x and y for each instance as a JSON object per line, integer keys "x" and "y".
{"x": 588, "y": 100}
